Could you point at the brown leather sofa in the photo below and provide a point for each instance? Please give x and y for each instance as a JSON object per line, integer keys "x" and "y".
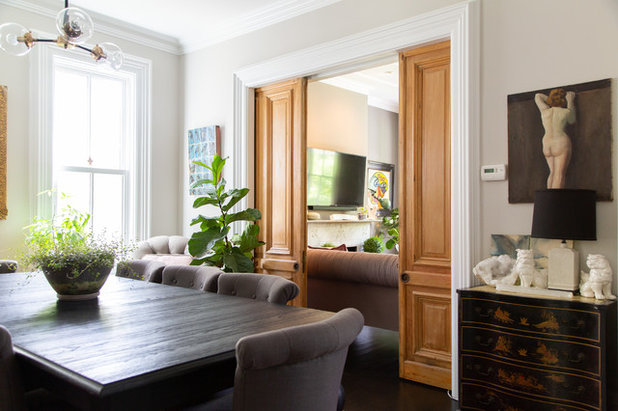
{"x": 365, "y": 281}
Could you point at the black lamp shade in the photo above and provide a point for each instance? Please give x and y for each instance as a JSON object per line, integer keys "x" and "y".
{"x": 565, "y": 214}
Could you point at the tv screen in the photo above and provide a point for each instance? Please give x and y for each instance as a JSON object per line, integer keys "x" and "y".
{"x": 335, "y": 180}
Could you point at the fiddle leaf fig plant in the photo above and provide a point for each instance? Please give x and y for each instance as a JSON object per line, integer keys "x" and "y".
{"x": 391, "y": 224}
{"x": 212, "y": 244}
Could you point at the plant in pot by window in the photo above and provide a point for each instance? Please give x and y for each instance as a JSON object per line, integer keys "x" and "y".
{"x": 391, "y": 224}
{"x": 75, "y": 262}
{"x": 212, "y": 244}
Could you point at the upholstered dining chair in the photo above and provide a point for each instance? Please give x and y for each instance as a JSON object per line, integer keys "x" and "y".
{"x": 8, "y": 266}
{"x": 262, "y": 287}
{"x": 147, "y": 270}
{"x": 297, "y": 368}
{"x": 11, "y": 390}
{"x": 203, "y": 278}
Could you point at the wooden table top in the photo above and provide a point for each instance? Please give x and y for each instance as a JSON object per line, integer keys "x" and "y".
{"x": 135, "y": 332}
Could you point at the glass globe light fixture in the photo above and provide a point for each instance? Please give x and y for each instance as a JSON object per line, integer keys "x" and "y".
{"x": 15, "y": 39}
{"x": 74, "y": 25}
{"x": 113, "y": 55}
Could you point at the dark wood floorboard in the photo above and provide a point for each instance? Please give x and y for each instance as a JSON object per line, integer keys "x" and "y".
{"x": 371, "y": 378}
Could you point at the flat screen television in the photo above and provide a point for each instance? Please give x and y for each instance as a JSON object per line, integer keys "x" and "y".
{"x": 335, "y": 180}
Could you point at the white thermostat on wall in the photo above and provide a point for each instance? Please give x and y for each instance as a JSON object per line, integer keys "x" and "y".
{"x": 493, "y": 173}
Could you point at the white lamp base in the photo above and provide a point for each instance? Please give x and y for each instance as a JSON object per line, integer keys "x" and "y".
{"x": 563, "y": 269}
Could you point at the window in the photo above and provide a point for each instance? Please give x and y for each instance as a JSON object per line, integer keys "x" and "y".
{"x": 93, "y": 140}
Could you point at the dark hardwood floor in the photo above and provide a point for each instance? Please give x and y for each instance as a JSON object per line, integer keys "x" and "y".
{"x": 371, "y": 380}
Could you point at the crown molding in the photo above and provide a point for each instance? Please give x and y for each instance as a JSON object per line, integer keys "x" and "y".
{"x": 105, "y": 25}
{"x": 257, "y": 19}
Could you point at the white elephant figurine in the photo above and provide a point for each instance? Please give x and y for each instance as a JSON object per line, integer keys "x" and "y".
{"x": 525, "y": 271}
{"x": 597, "y": 283}
{"x": 491, "y": 269}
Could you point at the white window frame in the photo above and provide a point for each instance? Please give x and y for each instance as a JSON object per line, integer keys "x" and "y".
{"x": 42, "y": 64}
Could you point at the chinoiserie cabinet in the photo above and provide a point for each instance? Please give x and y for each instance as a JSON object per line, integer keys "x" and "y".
{"x": 520, "y": 352}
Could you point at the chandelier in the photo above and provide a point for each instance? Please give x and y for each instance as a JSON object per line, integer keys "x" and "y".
{"x": 75, "y": 27}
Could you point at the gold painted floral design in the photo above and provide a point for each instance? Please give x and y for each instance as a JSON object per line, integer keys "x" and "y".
{"x": 503, "y": 344}
{"x": 503, "y": 316}
{"x": 550, "y": 322}
{"x": 522, "y": 352}
{"x": 523, "y": 321}
{"x": 556, "y": 378}
{"x": 519, "y": 380}
{"x": 548, "y": 355}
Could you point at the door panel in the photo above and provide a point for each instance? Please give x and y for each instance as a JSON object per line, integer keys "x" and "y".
{"x": 280, "y": 181}
{"x": 425, "y": 225}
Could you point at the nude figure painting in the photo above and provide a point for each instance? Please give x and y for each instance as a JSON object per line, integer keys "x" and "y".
{"x": 560, "y": 137}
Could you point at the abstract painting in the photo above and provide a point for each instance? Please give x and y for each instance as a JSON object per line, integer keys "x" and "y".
{"x": 508, "y": 244}
{"x": 204, "y": 143}
{"x": 560, "y": 137}
{"x": 380, "y": 186}
{"x": 541, "y": 248}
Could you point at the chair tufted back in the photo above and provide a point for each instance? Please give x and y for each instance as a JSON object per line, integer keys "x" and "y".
{"x": 8, "y": 266}
{"x": 11, "y": 390}
{"x": 203, "y": 278}
{"x": 262, "y": 287}
{"x": 296, "y": 368}
{"x": 167, "y": 249}
{"x": 146, "y": 270}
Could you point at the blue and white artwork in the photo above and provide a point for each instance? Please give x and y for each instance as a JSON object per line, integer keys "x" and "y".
{"x": 508, "y": 244}
{"x": 204, "y": 143}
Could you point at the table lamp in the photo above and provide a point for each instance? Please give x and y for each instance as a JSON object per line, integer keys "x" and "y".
{"x": 564, "y": 214}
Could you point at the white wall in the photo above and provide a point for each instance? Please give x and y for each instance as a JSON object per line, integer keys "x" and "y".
{"x": 383, "y": 141}
{"x": 337, "y": 119}
{"x": 561, "y": 42}
{"x": 165, "y": 143}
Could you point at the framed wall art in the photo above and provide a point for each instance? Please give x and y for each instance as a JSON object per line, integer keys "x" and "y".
{"x": 203, "y": 144}
{"x": 380, "y": 186}
{"x": 560, "y": 137}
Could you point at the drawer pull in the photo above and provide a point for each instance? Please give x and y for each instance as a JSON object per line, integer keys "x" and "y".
{"x": 580, "y": 358}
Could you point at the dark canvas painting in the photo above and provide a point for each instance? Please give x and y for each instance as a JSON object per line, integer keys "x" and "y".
{"x": 589, "y": 132}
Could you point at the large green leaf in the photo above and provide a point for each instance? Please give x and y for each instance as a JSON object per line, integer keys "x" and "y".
{"x": 250, "y": 214}
{"x": 249, "y": 239}
{"x": 236, "y": 195}
{"x": 236, "y": 262}
{"x": 199, "y": 163}
{"x": 217, "y": 167}
{"x": 200, "y": 201}
{"x": 210, "y": 221}
{"x": 201, "y": 242}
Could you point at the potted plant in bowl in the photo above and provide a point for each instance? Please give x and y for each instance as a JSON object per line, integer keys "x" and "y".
{"x": 75, "y": 262}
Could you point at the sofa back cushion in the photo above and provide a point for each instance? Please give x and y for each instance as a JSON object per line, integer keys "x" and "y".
{"x": 368, "y": 268}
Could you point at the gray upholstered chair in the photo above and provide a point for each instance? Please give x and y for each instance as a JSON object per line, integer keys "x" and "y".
{"x": 203, "y": 278}
{"x": 166, "y": 249}
{"x": 8, "y": 266}
{"x": 11, "y": 390}
{"x": 147, "y": 270}
{"x": 262, "y": 287}
{"x": 297, "y": 368}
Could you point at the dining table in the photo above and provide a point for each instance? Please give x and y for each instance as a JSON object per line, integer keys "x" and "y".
{"x": 138, "y": 345}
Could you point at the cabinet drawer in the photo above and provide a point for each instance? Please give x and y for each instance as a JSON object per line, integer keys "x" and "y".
{"x": 544, "y": 385}
{"x": 560, "y": 354}
{"x": 481, "y": 397}
{"x": 540, "y": 320}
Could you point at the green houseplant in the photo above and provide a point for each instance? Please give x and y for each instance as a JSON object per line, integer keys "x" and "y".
{"x": 391, "y": 224}
{"x": 74, "y": 261}
{"x": 373, "y": 245}
{"x": 212, "y": 244}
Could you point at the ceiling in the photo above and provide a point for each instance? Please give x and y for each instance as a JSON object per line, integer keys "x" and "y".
{"x": 191, "y": 24}
{"x": 380, "y": 85}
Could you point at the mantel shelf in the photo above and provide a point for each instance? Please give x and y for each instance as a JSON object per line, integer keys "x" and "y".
{"x": 343, "y": 221}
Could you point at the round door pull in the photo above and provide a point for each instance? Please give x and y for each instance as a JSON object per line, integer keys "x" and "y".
{"x": 296, "y": 266}
{"x": 405, "y": 278}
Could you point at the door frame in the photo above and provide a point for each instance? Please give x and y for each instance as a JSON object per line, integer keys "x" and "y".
{"x": 461, "y": 24}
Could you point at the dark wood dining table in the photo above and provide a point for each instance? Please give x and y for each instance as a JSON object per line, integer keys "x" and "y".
{"x": 139, "y": 345}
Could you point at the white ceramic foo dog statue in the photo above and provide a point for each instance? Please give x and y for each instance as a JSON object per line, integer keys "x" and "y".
{"x": 492, "y": 269}
{"x": 597, "y": 283}
{"x": 526, "y": 272}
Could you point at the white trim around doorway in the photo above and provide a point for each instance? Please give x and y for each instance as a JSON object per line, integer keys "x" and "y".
{"x": 460, "y": 23}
